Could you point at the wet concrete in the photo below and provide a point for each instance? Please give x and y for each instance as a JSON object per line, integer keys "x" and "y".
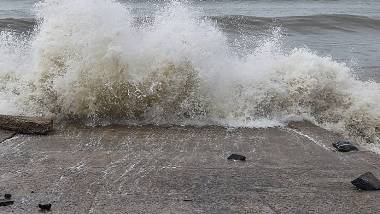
{"x": 184, "y": 170}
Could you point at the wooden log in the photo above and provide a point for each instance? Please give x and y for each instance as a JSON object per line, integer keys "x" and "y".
{"x": 26, "y": 125}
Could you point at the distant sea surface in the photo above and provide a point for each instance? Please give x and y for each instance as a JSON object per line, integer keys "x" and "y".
{"x": 347, "y": 30}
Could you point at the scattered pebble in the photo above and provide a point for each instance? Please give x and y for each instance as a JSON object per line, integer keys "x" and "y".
{"x": 344, "y": 146}
{"x": 7, "y": 196}
{"x": 236, "y": 157}
{"x": 5, "y": 202}
{"x": 44, "y": 206}
{"x": 367, "y": 182}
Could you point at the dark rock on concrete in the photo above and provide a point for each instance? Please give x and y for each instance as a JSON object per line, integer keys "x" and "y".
{"x": 26, "y": 125}
{"x": 367, "y": 181}
{"x": 344, "y": 146}
{"x": 5, "y": 202}
{"x": 44, "y": 206}
{"x": 7, "y": 196}
{"x": 236, "y": 157}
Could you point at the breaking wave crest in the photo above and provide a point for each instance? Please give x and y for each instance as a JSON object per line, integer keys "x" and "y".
{"x": 87, "y": 61}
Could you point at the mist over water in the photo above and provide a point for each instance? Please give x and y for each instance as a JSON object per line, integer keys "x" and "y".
{"x": 91, "y": 61}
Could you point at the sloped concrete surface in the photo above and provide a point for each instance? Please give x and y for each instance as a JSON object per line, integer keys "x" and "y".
{"x": 185, "y": 170}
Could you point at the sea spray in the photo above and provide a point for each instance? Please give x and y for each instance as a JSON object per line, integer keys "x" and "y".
{"x": 88, "y": 61}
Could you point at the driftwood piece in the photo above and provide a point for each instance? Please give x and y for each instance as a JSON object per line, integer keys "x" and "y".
{"x": 26, "y": 125}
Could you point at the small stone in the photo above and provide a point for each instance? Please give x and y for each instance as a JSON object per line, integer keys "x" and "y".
{"x": 236, "y": 157}
{"x": 44, "y": 206}
{"x": 187, "y": 199}
{"x": 367, "y": 181}
{"x": 5, "y": 202}
{"x": 344, "y": 146}
{"x": 7, "y": 196}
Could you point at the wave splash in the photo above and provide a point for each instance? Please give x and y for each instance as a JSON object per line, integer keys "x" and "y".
{"x": 87, "y": 61}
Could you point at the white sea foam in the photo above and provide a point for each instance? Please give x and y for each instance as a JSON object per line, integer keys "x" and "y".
{"x": 88, "y": 61}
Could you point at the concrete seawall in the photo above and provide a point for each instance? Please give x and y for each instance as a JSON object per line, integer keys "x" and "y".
{"x": 184, "y": 170}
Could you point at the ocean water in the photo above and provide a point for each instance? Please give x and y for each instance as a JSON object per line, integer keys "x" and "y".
{"x": 230, "y": 63}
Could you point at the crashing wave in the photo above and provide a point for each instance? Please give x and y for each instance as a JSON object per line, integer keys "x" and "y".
{"x": 88, "y": 61}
